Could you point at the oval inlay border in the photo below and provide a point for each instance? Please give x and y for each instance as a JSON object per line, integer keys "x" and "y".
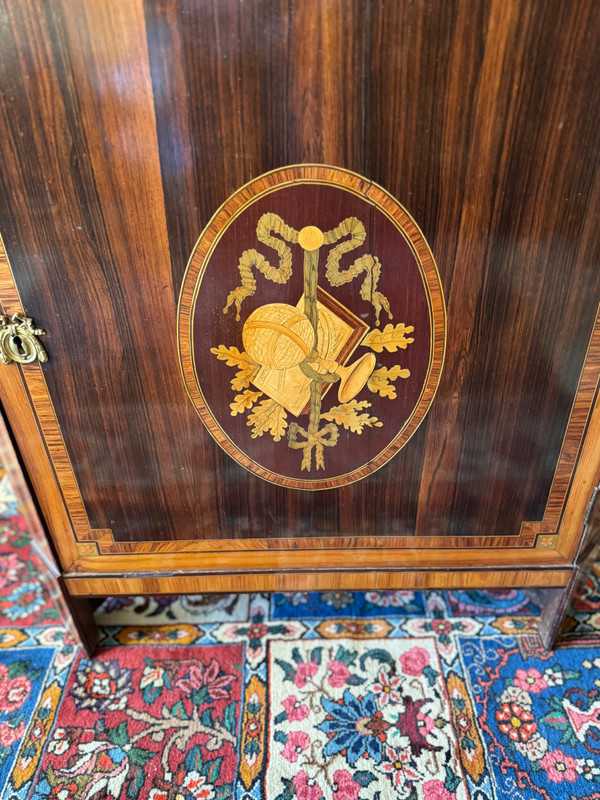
{"x": 200, "y": 258}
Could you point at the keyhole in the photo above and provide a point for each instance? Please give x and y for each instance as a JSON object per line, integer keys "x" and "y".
{"x": 18, "y": 345}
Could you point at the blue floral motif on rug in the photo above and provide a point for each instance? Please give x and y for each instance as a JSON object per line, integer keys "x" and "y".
{"x": 480, "y": 602}
{"x": 324, "y": 605}
{"x": 22, "y": 674}
{"x": 356, "y": 720}
{"x": 540, "y": 718}
{"x": 25, "y": 597}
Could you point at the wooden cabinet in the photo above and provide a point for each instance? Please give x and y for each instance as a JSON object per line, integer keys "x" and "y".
{"x": 445, "y": 185}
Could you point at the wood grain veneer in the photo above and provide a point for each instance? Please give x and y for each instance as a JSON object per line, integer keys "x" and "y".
{"x": 379, "y": 580}
{"x": 124, "y": 126}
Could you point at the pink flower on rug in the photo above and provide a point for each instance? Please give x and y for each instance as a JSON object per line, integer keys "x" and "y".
{"x": 8, "y": 735}
{"x": 218, "y": 687}
{"x": 344, "y": 786}
{"x": 17, "y": 692}
{"x": 306, "y": 788}
{"x": 530, "y": 680}
{"x": 425, "y": 723}
{"x": 304, "y": 670}
{"x": 435, "y": 790}
{"x": 193, "y": 680}
{"x": 295, "y": 710}
{"x": 414, "y": 661}
{"x": 9, "y": 569}
{"x": 559, "y": 767}
{"x": 297, "y": 741}
{"x": 339, "y": 673}
{"x": 199, "y": 676}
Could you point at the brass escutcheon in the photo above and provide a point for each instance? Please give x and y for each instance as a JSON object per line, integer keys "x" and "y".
{"x": 18, "y": 340}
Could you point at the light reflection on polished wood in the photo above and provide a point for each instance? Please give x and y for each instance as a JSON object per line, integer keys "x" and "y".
{"x": 580, "y": 415}
{"x": 586, "y": 477}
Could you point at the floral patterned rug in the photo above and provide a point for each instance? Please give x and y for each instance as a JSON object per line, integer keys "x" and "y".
{"x": 329, "y": 696}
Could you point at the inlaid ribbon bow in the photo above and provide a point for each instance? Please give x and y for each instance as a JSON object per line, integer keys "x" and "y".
{"x": 317, "y": 439}
{"x": 270, "y": 223}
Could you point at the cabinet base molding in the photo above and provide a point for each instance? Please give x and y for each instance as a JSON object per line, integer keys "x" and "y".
{"x": 201, "y": 583}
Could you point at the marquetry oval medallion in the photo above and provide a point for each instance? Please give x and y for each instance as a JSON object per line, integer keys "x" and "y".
{"x": 312, "y": 327}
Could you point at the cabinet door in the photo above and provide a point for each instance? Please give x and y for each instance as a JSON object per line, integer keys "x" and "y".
{"x": 126, "y": 125}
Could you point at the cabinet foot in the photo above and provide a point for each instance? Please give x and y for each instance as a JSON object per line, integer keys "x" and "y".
{"x": 82, "y": 619}
{"x": 553, "y": 612}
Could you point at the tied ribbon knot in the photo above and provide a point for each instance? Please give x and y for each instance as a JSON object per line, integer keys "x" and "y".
{"x": 317, "y": 439}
